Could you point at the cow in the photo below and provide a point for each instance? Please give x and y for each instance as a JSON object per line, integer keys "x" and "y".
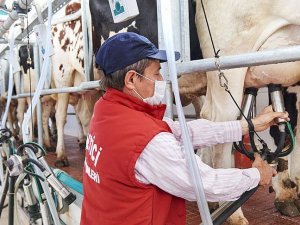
{"x": 24, "y": 82}
{"x": 240, "y": 27}
{"x": 13, "y": 108}
{"x": 28, "y": 79}
{"x": 68, "y": 71}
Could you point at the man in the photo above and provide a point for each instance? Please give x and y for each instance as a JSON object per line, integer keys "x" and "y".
{"x": 135, "y": 171}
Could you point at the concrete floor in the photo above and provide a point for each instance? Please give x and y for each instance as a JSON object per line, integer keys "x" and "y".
{"x": 4, "y": 217}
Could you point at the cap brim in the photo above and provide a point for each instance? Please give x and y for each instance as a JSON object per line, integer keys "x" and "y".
{"x": 161, "y": 55}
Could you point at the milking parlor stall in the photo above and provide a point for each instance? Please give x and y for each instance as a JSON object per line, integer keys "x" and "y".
{"x": 49, "y": 85}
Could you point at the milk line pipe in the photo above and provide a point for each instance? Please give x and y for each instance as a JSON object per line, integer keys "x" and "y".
{"x": 36, "y": 96}
{"x": 193, "y": 168}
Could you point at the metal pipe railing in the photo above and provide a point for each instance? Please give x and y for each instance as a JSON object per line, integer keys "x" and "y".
{"x": 84, "y": 86}
{"x": 289, "y": 54}
{"x": 227, "y": 62}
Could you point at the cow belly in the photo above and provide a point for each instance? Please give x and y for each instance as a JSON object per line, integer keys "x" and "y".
{"x": 286, "y": 73}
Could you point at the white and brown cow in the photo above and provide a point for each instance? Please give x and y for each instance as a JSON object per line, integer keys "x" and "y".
{"x": 68, "y": 71}
{"x": 239, "y": 27}
{"x": 12, "y": 112}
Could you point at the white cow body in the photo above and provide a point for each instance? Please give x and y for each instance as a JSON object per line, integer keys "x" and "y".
{"x": 239, "y": 27}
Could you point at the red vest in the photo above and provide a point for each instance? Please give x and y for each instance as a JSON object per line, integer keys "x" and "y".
{"x": 120, "y": 129}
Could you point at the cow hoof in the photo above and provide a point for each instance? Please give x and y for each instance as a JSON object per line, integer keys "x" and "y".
{"x": 287, "y": 208}
{"x": 50, "y": 149}
{"x": 16, "y": 138}
{"x": 19, "y": 142}
{"x": 82, "y": 146}
{"x": 237, "y": 221}
{"x": 54, "y": 138}
{"x": 297, "y": 203}
{"x": 62, "y": 162}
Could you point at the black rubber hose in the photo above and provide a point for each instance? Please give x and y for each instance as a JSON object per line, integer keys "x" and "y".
{"x": 219, "y": 218}
{"x": 4, "y": 193}
{"x": 11, "y": 197}
{"x": 280, "y": 146}
{"x": 39, "y": 165}
{"x": 287, "y": 152}
{"x": 239, "y": 146}
{"x": 20, "y": 150}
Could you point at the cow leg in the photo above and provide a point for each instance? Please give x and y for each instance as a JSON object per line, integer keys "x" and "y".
{"x": 81, "y": 137}
{"x": 10, "y": 120}
{"x": 20, "y": 115}
{"x": 286, "y": 183}
{"x": 53, "y": 128}
{"x": 198, "y": 103}
{"x": 213, "y": 109}
{"x": 15, "y": 124}
{"x": 285, "y": 194}
{"x": 84, "y": 111}
{"x": 47, "y": 108}
{"x": 61, "y": 114}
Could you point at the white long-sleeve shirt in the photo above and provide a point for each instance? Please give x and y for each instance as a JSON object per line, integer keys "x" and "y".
{"x": 163, "y": 162}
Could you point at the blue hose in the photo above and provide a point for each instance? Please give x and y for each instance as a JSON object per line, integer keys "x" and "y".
{"x": 68, "y": 180}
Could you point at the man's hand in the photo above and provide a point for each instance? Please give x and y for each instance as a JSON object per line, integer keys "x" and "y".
{"x": 264, "y": 119}
{"x": 265, "y": 170}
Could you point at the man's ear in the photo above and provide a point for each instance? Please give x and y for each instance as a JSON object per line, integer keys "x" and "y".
{"x": 130, "y": 79}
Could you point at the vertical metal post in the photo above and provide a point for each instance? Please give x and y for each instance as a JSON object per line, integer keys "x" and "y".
{"x": 164, "y": 69}
{"x": 193, "y": 168}
{"x": 11, "y": 197}
{"x": 87, "y": 38}
{"x": 180, "y": 15}
{"x": 185, "y": 30}
{"x": 169, "y": 100}
{"x": 39, "y": 105}
{"x": 2, "y": 79}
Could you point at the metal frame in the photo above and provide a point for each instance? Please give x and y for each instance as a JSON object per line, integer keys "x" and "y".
{"x": 181, "y": 7}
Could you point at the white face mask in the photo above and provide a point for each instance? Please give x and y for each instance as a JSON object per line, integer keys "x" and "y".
{"x": 159, "y": 92}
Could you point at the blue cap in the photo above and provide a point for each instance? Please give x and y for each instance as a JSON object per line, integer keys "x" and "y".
{"x": 124, "y": 49}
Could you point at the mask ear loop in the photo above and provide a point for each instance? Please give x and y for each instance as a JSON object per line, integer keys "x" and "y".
{"x": 135, "y": 91}
{"x": 138, "y": 94}
{"x": 145, "y": 77}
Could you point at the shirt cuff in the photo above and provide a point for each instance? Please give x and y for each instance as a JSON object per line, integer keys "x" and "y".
{"x": 234, "y": 132}
{"x": 254, "y": 176}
